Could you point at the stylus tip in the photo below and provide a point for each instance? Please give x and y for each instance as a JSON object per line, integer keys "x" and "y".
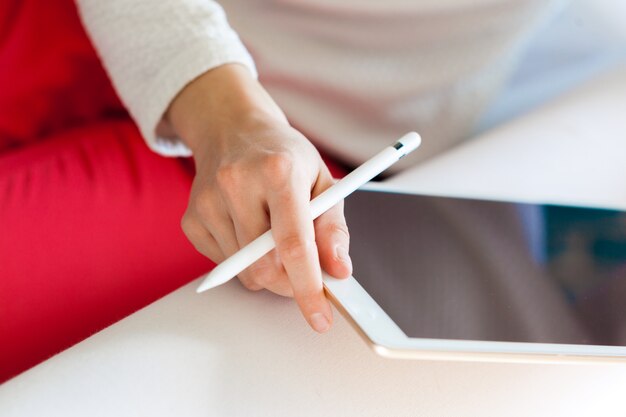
{"x": 205, "y": 285}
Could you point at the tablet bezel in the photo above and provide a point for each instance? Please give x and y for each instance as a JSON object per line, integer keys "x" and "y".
{"x": 384, "y": 336}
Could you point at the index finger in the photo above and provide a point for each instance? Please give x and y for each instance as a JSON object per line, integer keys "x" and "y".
{"x": 293, "y": 232}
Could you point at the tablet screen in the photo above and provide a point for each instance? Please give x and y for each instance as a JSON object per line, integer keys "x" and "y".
{"x": 450, "y": 268}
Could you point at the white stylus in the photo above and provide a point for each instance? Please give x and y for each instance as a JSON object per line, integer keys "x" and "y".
{"x": 252, "y": 252}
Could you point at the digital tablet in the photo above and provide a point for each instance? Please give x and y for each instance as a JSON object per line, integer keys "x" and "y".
{"x": 453, "y": 278}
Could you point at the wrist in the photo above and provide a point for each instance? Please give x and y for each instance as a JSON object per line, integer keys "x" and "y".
{"x": 218, "y": 102}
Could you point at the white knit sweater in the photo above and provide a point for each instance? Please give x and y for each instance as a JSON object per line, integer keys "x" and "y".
{"x": 352, "y": 74}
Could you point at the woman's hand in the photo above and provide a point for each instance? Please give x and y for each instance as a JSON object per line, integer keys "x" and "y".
{"x": 253, "y": 171}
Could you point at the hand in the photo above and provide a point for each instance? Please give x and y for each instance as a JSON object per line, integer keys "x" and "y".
{"x": 253, "y": 171}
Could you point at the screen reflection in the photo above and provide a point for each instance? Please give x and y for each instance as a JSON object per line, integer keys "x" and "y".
{"x": 481, "y": 270}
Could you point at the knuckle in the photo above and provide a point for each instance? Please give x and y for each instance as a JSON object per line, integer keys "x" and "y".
{"x": 258, "y": 268}
{"x": 205, "y": 204}
{"x": 308, "y": 298}
{"x": 296, "y": 247}
{"x": 264, "y": 273}
{"x": 337, "y": 228}
{"x": 277, "y": 168}
{"x": 188, "y": 225}
{"x": 193, "y": 230}
{"x": 226, "y": 176}
{"x": 197, "y": 237}
{"x": 268, "y": 280}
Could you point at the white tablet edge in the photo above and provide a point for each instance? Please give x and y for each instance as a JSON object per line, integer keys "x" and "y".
{"x": 387, "y": 339}
{"x": 382, "y": 334}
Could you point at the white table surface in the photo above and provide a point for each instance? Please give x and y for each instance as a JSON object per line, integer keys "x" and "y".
{"x": 231, "y": 352}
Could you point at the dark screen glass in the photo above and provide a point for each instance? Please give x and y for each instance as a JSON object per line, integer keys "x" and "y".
{"x": 450, "y": 268}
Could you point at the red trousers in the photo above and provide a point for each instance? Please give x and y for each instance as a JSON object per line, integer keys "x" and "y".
{"x": 89, "y": 233}
{"x": 89, "y": 217}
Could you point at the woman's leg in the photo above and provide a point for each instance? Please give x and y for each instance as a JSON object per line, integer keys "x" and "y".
{"x": 89, "y": 232}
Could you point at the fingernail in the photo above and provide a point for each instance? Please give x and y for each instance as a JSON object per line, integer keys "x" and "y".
{"x": 343, "y": 255}
{"x": 319, "y": 322}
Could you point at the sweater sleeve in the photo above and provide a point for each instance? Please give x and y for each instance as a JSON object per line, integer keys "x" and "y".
{"x": 151, "y": 49}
